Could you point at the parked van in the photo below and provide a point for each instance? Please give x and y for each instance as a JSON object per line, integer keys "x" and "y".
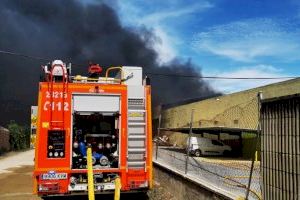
{"x": 206, "y": 146}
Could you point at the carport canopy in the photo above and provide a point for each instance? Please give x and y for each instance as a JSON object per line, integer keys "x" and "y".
{"x": 212, "y": 130}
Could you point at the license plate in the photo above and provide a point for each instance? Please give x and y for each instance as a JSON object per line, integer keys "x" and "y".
{"x": 54, "y": 176}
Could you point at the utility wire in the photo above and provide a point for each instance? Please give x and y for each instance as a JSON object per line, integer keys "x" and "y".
{"x": 221, "y": 77}
{"x": 24, "y": 56}
{"x": 32, "y": 57}
{"x": 158, "y": 74}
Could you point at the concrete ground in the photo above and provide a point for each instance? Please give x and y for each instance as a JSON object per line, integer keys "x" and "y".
{"x": 16, "y": 178}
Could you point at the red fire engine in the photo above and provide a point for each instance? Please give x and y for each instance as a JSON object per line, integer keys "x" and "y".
{"x": 112, "y": 114}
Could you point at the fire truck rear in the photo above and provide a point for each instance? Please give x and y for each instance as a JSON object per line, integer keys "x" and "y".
{"x": 109, "y": 113}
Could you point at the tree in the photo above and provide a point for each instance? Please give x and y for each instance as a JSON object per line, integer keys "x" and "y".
{"x": 19, "y": 136}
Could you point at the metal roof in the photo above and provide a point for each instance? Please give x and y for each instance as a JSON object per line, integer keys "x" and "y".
{"x": 281, "y": 98}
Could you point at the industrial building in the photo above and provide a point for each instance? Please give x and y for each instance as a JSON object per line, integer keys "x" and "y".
{"x": 225, "y": 117}
{"x": 236, "y": 110}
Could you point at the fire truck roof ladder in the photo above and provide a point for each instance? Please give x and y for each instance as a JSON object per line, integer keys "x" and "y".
{"x": 58, "y": 124}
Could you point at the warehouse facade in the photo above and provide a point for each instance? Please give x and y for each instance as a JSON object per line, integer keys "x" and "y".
{"x": 232, "y": 118}
{"x": 237, "y": 110}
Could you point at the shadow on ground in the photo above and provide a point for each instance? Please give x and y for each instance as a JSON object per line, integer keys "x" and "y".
{"x": 129, "y": 196}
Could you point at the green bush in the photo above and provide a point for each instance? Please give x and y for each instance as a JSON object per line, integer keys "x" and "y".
{"x": 19, "y": 136}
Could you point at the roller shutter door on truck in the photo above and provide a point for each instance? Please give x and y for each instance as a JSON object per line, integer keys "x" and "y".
{"x": 96, "y": 103}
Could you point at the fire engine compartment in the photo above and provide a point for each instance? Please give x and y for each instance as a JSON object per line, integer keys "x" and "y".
{"x": 101, "y": 132}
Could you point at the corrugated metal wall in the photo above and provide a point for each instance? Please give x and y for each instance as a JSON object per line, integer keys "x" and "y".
{"x": 280, "y": 146}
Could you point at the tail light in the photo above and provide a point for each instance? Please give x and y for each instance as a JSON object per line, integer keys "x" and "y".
{"x": 48, "y": 187}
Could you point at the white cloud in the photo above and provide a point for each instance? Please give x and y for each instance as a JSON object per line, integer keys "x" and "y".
{"x": 158, "y": 17}
{"x": 249, "y": 40}
{"x": 134, "y": 13}
{"x": 165, "y": 46}
{"x": 234, "y": 85}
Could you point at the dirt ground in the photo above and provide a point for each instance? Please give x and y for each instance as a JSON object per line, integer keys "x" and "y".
{"x": 17, "y": 185}
{"x": 15, "y": 159}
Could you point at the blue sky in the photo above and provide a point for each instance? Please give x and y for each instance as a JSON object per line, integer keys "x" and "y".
{"x": 238, "y": 38}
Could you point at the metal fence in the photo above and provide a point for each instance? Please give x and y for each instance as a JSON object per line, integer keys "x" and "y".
{"x": 230, "y": 175}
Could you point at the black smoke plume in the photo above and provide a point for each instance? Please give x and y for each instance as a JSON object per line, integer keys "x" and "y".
{"x": 78, "y": 32}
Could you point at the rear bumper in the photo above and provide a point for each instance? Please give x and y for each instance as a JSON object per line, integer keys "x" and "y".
{"x": 97, "y": 193}
{"x": 98, "y": 187}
